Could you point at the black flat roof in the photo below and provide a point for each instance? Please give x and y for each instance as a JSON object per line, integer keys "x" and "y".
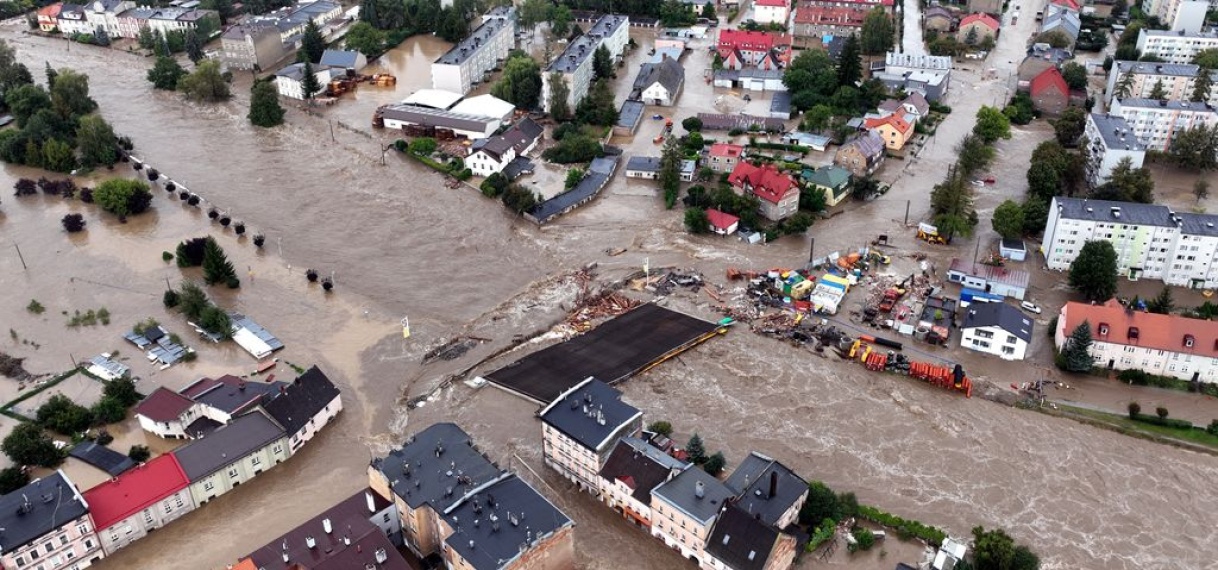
{"x": 612, "y": 352}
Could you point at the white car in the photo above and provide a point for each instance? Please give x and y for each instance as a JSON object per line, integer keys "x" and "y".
{"x": 1030, "y": 307}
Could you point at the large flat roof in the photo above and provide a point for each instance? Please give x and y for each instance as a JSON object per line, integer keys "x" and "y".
{"x": 477, "y": 40}
{"x": 1116, "y": 132}
{"x": 612, "y": 352}
{"x": 433, "y": 98}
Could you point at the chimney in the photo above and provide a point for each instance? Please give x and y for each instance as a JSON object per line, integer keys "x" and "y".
{"x": 325, "y": 524}
{"x": 699, "y": 489}
{"x": 310, "y": 542}
{"x": 773, "y": 483}
{"x": 371, "y": 503}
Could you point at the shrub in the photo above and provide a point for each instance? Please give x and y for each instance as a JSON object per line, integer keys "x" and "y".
{"x": 1134, "y": 409}
{"x": 1161, "y": 412}
{"x": 60, "y": 414}
{"x": 104, "y": 437}
{"x": 494, "y": 185}
{"x": 864, "y": 539}
{"x": 905, "y": 528}
{"x": 166, "y": 256}
{"x": 1165, "y": 422}
{"x": 123, "y": 197}
{"x": 664, "y": 428}
{"x": 190, "y": 252}
{"x": 73, "y": 223}
{"x": 108, "y": 410}
{"x": 696, "y": 449}
{"x": 170, "y": 298}
{"x": 715, "y": 463}
{"x": 139, "y": 453}
{"x": 25, "y": 187}
{"x": 1212, "y": 429}
{"x": 12, "y": 478}
{"x": 27, "y": 444}
{"x": 123, "y": 390}
{"x": 35, "y": 307}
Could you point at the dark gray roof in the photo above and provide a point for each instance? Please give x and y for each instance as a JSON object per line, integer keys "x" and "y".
{"x": 1156, "y": 68}
{"x": 681, "y": 493}
{"x": 345, "y": 59}
{"x": 644, "y": 464}
{"x": 765, "y": 487}
{"x": 519, "y": 137}
{"x": 436, "y": 466}
{"x": 227, "y": 445}
{"x": 495, "y": 524}
{"x": 869, "y": 143}
{"x": 644, "y": 163}
{"x": 37, "y": 509}
{"x": 606, "y": 25}
{"x": 1103, "y": 210}
{"x": 590, "y": 413}
{"x": 351, "y": 519}
{"x": 102, "y": 457}
{"x": 630, "y": 114}
{"x": 600, "y": 171}
{"x": 1116, "y": 132}
{"x": 232, "y": 395}
{"x": 295, "y": 71}
{"x": 1066, "y": 21}
{"x": 781, "y": 103}
{"x": 1198, "y": 224}
{"x": 1001, "y": 315}
{"x": 716, "y": 122}
{"x": 437, "y": 118}
{"x": 479, "y": 39}
{"x": 579, "y": 50}
{"x": 740, "y": 541}
{"x": 298, "y": 402}
{"x": 1199, "y": 106}
{"x": 668, "y": 73}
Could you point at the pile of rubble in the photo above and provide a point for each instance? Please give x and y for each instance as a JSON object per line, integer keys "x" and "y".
{"x": 605, "y": 305}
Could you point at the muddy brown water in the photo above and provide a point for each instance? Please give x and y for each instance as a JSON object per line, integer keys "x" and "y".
{"x": 399, "y": 243}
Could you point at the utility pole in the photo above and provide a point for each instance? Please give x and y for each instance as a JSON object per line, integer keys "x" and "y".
{"x": 811, "y": 249}
{"x": 332, "y": 139}
{"x": 907, "y": 212}
{"x": 21, "y": 257}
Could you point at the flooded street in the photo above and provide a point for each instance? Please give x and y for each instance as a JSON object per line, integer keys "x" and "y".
{"x": 911, "y": 26}
{"x": 401, "y": 244}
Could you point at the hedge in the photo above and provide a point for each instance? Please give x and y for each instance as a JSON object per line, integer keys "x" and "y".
{"x": 1141, "y": 378}
{"x": 904, "y": 528}
{"x": 1165, "y": 422}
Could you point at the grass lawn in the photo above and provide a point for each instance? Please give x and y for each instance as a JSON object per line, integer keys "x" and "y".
{"x": 1195, "y": 435}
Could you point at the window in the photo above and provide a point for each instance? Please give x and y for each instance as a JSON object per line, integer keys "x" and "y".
{"x": 63, "y": 539}
{"x": 1133, "y": 333}
{"x": 1103, "y": 329}
{"x": 20, "y": 561}
{"x": 232, "y": 472}
{"x": 256, "y": 461}
{"x": 82, "y": 529}
{"x": 89, "y": 544}
{"x": 178, "y": 501}
{"x": 208, "y": 486}
{"x": 1189, "y": 340}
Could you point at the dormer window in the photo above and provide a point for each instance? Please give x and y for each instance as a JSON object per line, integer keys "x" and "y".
{"x": 1189, "y": 340}
{"x": 1133, "y": 333}
{"x": 1103, "y": 329}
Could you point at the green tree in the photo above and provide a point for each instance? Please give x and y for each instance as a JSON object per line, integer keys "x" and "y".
{"x": 1021, "y": 109}
{"x": 194, "y": 46}
{"x": 224, "y": 8}
{"x": 813, "y": 199}
{"x": 123, "y": 390}
{"x": 560, "y": 21}
{"x": 877, "y": 33}
{"x": 992, "y": 125}
{"x": 715, "y": 463}
{"x": 818, "y": 118}
{"x": 1075, "y": 75}
{"x": 205, "y": 84}
{"x": 1035, "y": 215}
{"x": 602, "y": 63}
{"x": 1127, "y": 184}
{"x": 51, "y": 75}
{"x": 25, "y": 100}
{"x": 214, "y": 320}
{"x": 216, "y": 266}
{"x": 309, "y": 85}
{"x": 708, "y": 11}
{"x": 58, "y": 156}
{"x": 1163, "y": 303}
{"x": 97, "y": 143}
{"x": 70, "y": 95}
{"x": 139, "y": 453}
{"x": 453, "y": 26}
{"x": 312, "y": 44}
{"x": 696, "y": 450}
{"x": 423, "y": 146}
{"x": 27, "y": 444}
{"x": 122, "y": 197}
{"x": 166, "y": 73}
{"x": 520, "y": 84}
{"x": 1124, "y": 86}
{"x": 1207, "y": 58}
{"x": 533, "y": 12}
{"x": 995, "y": 550}
{"x": 1055, "y": 38}
{"x": 108, "y": 411}
{"x": 265, "y": 110}
{"x": 696, "y": 221}
{"x": 192, "y": 300}
{"x": 1195, "y": 148}
{"x": 822, "y": 503}
{"x": 661, "y": 427}
{"x": 1069, "y": 126}
{"x": 61, "y": 415}
{"x": 519, "y": 199}
{"x": 1158, "y": 92}
{"x": 1094, "y": 271}
{"x": 850, "y": 62}
{"x": 692, "y": 124}
{"x": 670, "y": 171}
{"x": 973, "y": 155}
{"x": 365, "y": 38}
{"x": 559, "y": 92}
{"x": 597, "y": 108}
{"x": 1201, "y": 189}
{"x": 1008, "y": 219}
{"x": 951, "y": 203}
{"x": 12, "y": 479}
{"x": 573, "y": 177}
{"x": 1203, "y": 85}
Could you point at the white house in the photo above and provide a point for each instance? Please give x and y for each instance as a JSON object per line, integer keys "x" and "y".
{"x": 305, "y": 406}
{"x": 580, "y": 428}
{"x": 493, "y": 154}
{"x": 103, "y": 14}
{"x": 290, "y": 80}
{"x": 660, "y": 83}
{"x": 771, "y": 11}
{"x": 1110, "y": 140}
{"x": 996, "y": 280}
{"x": 73, "y": 20}
{"x": 1151, "y": 241}
{"x": 996, "y": 328}
{"x": 168, "y": 414}
{"x": 643, "y": 167}
{"x": 1127, "y": 339}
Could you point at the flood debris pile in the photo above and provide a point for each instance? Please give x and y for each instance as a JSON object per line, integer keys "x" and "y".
{"x": 12, "y": 367}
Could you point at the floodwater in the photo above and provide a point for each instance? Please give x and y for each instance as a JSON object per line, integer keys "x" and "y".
{"x": 400, "y": 244}
{"x": 911, "y": 35}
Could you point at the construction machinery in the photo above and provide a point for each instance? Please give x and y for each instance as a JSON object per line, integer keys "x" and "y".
{"x": 930, "y": 234}
{"x": 950, "y": 377}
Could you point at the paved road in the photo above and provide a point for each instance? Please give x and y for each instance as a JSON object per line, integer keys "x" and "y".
{"x": 911, "y": 38}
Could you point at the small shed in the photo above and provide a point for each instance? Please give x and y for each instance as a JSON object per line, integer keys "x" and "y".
{"x": 722, "y": 223}
{"x": 1013, "y": 249}
{"x": 996, "y": 280}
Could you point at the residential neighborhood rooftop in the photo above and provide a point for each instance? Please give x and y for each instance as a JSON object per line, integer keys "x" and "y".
{"x": 102, "y": 457}
{"x": 1151, "y": 330}
{"x": 1115, "y": 132}
{"x": 467, "y": 47}
{"x": 741, "y": 541}
{"x": 640, "y": 465}
{"x": 1125, "y": 212}
{"x": 766, "y": 488}
{"x": 1157, "y": 68}
{"x": 1001, "y": 315}
{"x": 644, "y": 163}
{"x": 1174, "y": 104}
{"x": 436, "y": 466}
{"x": 500, "y": 521}
{"x": 163, "y": 405}
{"x": 38, "y": 508}
{"x": 433, "y": 98}
{"x": 231, "y": 394}
{"x": 135, "y": 490}
{"x": 696, "y": 493}
{"x": 296, "y": 403}
{"x": 590, "y": 413}
{"x": 1012, "y": 277}
{"x": 239, "y": 438}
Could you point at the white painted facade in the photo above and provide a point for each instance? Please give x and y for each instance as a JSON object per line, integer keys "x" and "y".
{"x": 1109, "y": 141}
{"x": 771, "y": 13}
{"x": 293, "y": 88}
{"x": 994, "y": 340}
{"x": 1155, "y": 123}
{"x": 1177, "y": 81}
{"x": 1175, "y": 47}
{"x": 319, "y": 420}
{"x": 241, "y": 470}
{"x": 140, "y": 523}
{"x": 1113, "y": 349}
{"x": 468, "y": 62}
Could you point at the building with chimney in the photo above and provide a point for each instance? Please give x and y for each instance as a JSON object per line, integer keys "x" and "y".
{"x": 145, "y": 498}
{"x": 304, "y": 406}
{"x": 46, "y": 524}
{"x": 580, "y": 428}
{"x": 1156, "y": 123}
{"x": 684, "y": 509}
{"x": 1124, "y": 338}
{"x": 635, "y": 468}
{"x": 739, "y": 541}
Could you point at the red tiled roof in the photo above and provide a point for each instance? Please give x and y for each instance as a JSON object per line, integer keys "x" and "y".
{"x": 628, "y": 481}
{"x": 51, "y": 11}
{"x": 751, "y": 41}
{"x": 831, "y": 15}
{"x": 1071, "y": 4}
{"x": 726, "y": 150}
{"x": 1154, "y": 331}
{"x": 985, "y": 19}
{"x": 772, "y": 3}
{"x": 895, "y": 120}
{"x": 765, "y": 182}
{"x": 134, "y": 490}
{"x": 1049, "y": 78}
{"x": 720, "y": 220}
{"x": 163, "y": 405}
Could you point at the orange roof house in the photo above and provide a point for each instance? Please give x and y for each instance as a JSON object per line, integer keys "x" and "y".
{"x": 895, "y": 129}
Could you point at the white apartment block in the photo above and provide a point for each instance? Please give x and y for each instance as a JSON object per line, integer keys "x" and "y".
{"x": 1151, "y": 241}
{"x": 468, "y": 62}
{"x": 103, "y": 14}
{"x": 575, "y": 62}
{"x": 580, "y": 428}
{"x": 1125, "y": 339}
{"x": 1177, "y": 79}
{"x": 1155, "y": 123}
{"x": 1186, "y": 15}
{"x": 1109, "y": 140}
{"x": 1175, "y": 47}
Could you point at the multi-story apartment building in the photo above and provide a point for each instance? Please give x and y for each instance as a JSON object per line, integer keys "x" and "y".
{"x": 633, "y": 469}
{"x": 1175, "y": 47}
{"x": 252, "y": 46}
{"x": 145, "y": 498}
{"x": 683, "y": 511}
{"x": 574, "y": 65}
{"x": 46, "y": 525}
{"x": 232, "y": 455}
{"x": 359, "y": 532}
{"x": 1155, "y": 123}
{"x": 457, "y": 504}
{"x": 814, "y": 20}
{"x": 468, "y": 62}
{"x": 1177, "y": 15}
{"x": 1123, "y": 338}
{"x": 103, "y": 14}
{"x": 580, "y": 428}
{"x": 1109, "y": 140}
{"x": 1151, "y": 241}
{"x": 1139, "y": 79}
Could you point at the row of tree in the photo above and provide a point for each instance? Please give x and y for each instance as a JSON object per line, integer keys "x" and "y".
{"x": 206, "y": 84}
{"x": 831, "y": 93}
{"x": 951, "y": 201}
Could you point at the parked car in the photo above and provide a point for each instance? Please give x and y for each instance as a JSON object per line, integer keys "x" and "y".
{"x": 1030, "y": 307}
